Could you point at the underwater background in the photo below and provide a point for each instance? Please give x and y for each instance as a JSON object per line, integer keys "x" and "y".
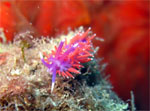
{"x": 124, "y": 27}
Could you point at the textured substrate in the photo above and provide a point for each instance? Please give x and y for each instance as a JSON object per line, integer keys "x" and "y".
{"x": 25, "y": 83}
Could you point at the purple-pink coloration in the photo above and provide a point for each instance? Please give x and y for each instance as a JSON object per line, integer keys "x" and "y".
{"x": 66, "y": 58}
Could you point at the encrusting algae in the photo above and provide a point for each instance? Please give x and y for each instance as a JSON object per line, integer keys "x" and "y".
{"x": 25, "y": 83}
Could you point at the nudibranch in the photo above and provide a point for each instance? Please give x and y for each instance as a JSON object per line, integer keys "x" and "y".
{"x": 67, "y": 57}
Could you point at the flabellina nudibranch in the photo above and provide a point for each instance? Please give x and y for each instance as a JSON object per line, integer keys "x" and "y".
{"x": 67, "y": 58}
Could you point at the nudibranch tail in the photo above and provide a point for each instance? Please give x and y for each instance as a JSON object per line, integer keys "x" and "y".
{"x": 53, "y": 80}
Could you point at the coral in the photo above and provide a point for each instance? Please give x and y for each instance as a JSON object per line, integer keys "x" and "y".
{"x": 25, "y": 85}
{"x": 3, "y": 57}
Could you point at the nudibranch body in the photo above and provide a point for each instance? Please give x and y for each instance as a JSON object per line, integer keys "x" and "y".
{"x": 67, "y": 58}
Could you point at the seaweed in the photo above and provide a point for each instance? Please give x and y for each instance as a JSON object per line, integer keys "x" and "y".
{"x": 26, "y": 86}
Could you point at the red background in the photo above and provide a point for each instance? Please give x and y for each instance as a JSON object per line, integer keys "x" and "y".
{"x": 124, "y": 25}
